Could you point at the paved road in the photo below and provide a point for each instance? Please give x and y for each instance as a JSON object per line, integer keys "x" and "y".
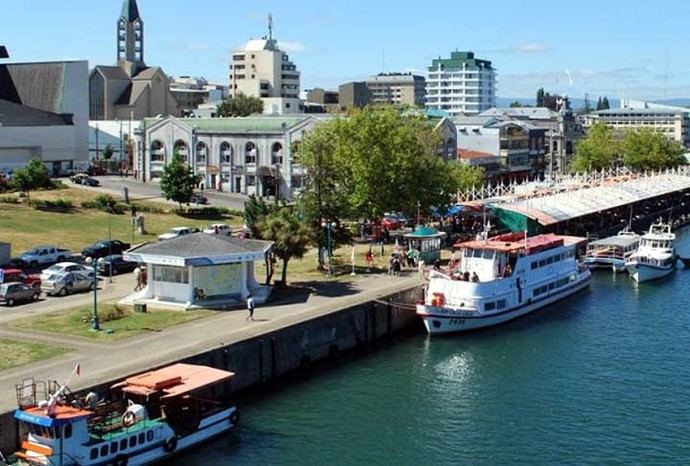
{"x": 138, "y": 190}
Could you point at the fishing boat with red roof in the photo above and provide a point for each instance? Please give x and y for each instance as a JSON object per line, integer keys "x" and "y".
{"x": 511, "y": 275}
{"x": 146, "y": 419}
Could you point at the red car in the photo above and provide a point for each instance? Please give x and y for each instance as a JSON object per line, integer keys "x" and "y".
{"x": 391, "y": 223}
{"x": 16, "y": 275}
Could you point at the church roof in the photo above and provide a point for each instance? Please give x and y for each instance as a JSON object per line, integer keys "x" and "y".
{"x": 147, "y": 73}
{"x": 13, "y": 114}
{"x": 256, "y": 125}
{"x": 113, "y": 72}
{"x": 130, "y": 11}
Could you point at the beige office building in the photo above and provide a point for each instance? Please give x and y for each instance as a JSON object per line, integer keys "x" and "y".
{"x": 673, "y": 123}
{"x": 397, "y": 89}
{"x": 261, "y": 69}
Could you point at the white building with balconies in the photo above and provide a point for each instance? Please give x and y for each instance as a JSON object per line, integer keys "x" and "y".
{"x": 253, "y": 155}
{"x": 261, "y": 69}
{"x": 461, "y": 85}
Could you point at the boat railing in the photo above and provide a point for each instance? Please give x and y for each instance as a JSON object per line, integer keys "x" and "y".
{"x": 31, "y": 392}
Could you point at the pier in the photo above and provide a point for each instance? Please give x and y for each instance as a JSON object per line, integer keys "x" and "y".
{"x": 286, "y": 336}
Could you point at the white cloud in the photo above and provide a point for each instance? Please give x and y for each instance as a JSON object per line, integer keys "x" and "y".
{"x": 291, "y": 47}
{"x": 530, "y": 47}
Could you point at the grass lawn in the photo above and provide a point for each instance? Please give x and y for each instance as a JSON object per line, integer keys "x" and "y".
{"x": 25, "y": 227}
{"x": 16, "y": 353}
{"x": 115, "y": 324}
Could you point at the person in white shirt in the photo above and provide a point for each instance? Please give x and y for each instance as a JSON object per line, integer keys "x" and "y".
{"x": 250, "y": 307}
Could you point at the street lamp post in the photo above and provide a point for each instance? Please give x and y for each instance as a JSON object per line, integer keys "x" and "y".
{"x": 94, "y": 321}
{"x": 110, "y": 245}
{"x": 329, "y": 227}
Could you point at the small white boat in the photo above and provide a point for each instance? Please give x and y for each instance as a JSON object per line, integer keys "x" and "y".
{"x": 512, "y": 276}
{"x": 656, "y": 256}
{"x": 612, "y": 252}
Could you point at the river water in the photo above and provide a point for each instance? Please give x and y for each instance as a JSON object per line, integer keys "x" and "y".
{"x": 600, "y": 378}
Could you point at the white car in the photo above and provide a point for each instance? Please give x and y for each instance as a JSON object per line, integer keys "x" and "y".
{"x": 176, "y": 233}
{"x": 219, "y": 228}
{"x": 61, "y": 268}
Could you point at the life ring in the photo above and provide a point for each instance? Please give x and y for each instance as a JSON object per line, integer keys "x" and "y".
{"x": 128, "y": 419}
{"x": 170, "y": 444}
{"x": 235, "y": 417}
{"x": 121, "y": 461}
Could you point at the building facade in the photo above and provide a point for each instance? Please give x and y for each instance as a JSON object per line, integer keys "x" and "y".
{"x": 461, "y": 84}
{"x": 191, "y": 92}
{"x": 130, "y": 89}
{"x": 45, "y": 115}
{"x": 251, "y": 155}
{"x": 261, "y": 69}
{"x": 354, "y": 94}
{"x": 672, "y": 123}
{"x": 401, "y": 89}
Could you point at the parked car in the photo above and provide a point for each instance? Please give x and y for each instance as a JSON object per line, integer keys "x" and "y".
{"x": 391, "y": 222}
{"x": 16, "y": 275}
{"x": 15, "y": 292}
{"x": 42, "y": 255}
{"x": 219, "y": 228}
{"x": 93, "y": 182}
{"x": 105, "y": 247}
{"x": 198, "y": 199}
{"x": 62, "y": 268}
{"x": 78, "y": 178}
{"x": 66, "y": 283}
{"x": 115, "y": 262}
{"x": 176, "y": 233}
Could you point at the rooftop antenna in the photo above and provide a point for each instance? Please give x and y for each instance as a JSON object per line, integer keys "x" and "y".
{"x": 270, "y": 26}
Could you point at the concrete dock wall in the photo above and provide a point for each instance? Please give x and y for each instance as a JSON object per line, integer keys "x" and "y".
{"x": 268, "y": 357}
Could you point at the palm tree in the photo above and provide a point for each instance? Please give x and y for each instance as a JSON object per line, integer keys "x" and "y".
{"x": 290, "y": 236}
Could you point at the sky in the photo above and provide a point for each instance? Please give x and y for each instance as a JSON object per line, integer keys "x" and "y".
{"x": 618, "y": 48}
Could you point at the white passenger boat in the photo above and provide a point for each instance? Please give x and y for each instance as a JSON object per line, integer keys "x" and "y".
{"x": 656, "y": 256}
{"x": 612, "y": 252}
{"x": 515, "y": 275}
{"x": 146, "y": 419}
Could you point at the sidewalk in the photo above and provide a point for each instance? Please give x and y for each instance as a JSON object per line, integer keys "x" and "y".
{"x": 103, "y": 362}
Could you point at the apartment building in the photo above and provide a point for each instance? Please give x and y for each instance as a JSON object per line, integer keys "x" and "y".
{"x": 261, "y": 69}
{"x": 673, "y": 123}
{"x": 461, "y": 85}
{"x": 397, "y": 89}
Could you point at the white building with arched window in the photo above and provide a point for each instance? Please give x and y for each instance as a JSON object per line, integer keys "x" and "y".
{"x": 252, "y": 155}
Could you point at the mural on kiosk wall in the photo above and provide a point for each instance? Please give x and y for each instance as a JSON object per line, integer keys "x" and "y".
{"x": 219, "y": 280}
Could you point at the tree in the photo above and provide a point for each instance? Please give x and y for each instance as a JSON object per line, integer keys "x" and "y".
{"x": 291, "y": 236}
{"x": 33, "y": 176}
{"x": 516, "y": 104}
{"x": 648, "y": 150}
{"x": 178, "y": 181}
{"x": 108, "y": 152}
{"x": 240, "y": 106}
{"x": 605, "y": 103}
{"x": 255, "y": 209}
{"x": 597, "y": 151}
{"x": 599, "y": 107}
{"x": 540, "y": 97}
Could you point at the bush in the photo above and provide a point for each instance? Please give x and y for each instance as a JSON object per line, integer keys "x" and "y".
{"x": 60, "y": 205}
{"x": 202, "y": 213}
{"x": 106, "y": 203}
{"x": 150, "y": 209}
{"x": 9, "y": 200}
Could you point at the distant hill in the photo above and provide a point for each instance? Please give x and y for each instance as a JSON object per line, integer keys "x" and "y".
{"x": 680, "y": 102}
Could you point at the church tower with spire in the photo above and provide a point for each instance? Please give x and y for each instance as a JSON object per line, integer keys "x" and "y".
{"x": 130, "y": 39}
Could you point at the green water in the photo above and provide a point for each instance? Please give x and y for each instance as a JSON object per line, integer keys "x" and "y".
{"x": 601, "y": 378}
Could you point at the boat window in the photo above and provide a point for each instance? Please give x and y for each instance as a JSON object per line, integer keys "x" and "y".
{"x": 149, "y": 435}
{"x": 557, "y": 258}
{"x": 104, "y": 450}
{"x": 123, "y": 444}
{"x": 113, "y": 448}
{"x": 142, "y": 438}
{"x": 549, "y": 260}
{"x": 94, "y": 453}
{"x": 68, "y": 431}
{"x": 490, "y": 306}
{"x": 552, "y": 286}
{"x": 542, "y": 263}
{"x": 501, "y": 304}
{"x": 133, "y": 441}
{"x": 534, "y": 265}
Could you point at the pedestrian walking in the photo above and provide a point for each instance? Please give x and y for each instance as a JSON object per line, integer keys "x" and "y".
{"x": 250, "y": 307}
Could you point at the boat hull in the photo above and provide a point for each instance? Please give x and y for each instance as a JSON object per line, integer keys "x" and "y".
{"x": 644, "y": 272}
{"x": 437, "y": 322}
{"x": 617, "y": 265}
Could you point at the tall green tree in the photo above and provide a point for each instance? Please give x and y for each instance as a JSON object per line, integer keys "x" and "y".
{"x": 648, "y": 150}
{"x": 240, "y": 105}
{"x": 599, "y": 105}
{"x": 255, "y": 209}
{"x": 34, "y": 175}
{"x": 605, "y": 103}
{"x": 178, "y": 181}
{"x": 290, "y": 235}
{"x": 108, "y": 152}
{"x": 540, "y": 97}
{"x": 598, "y": 150}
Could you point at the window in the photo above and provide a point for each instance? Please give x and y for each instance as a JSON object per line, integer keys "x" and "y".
{"x": 142, "y": 438}
{"x": 68, "y": 431}
{"x": 250, "y": 153}
{"x": 490, "y": 306}
{"x": 170, "y": 274}
{"x": 549, "y": 260}
{"x": 133, "y": 441}
{"x": 149, "y": 435}
{"x": 123, "y": 444}
{"x": 104, "y": 450}
{"x": 501, "y": 304}
{"x": 113, "y": 448}
{"x": 535, "y": 265}
{"x": 542, "y": 263}
{"x": 251, "y": 180}
{"x": 94, "y": 453}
